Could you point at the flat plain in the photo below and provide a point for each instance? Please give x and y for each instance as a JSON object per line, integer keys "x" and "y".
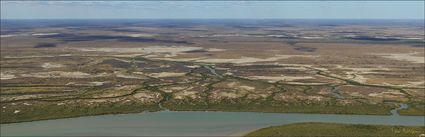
{"x": 56, "y": 69}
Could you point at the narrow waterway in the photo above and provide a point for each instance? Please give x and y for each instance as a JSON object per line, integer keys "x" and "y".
{"x": 171, "y": 123}
{"x": 212, "y": 70}
{"x": 394, "y": 112}
{"x": 335, "y": 93}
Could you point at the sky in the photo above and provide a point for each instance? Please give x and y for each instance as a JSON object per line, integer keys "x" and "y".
{"x": 212, "y": 9}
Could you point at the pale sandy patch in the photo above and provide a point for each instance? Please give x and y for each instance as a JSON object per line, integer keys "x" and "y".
{"x": 127, "y": 76}
{"x": 288, "y": 66}
{"x": 224, "y": 35}
{"x": 404, "y": 57}
{"x": 242, "y": 60}
{"x": 58, "y": 74}
{"x": 356, "y": 77}
{"x": 175, "y": 59}
{"x": 244, "y": 87}
{"x": 20, "y": 97}
{"x": 376, "y": 72}
{"x": 128, "y": 55}
{"x": 228, "y": 73}
{"x": 145, "y": 50}
{"x": 193, "y": 66}
{"x": 166, "y": 74}
{"x": 280, "y": 78}
{"x": 16, "y": 111}
{"x": 169, "y": 51}
{"x": 228, "y": 95}
{"x": 97, "y": 100}
{"x": 355, "y": 73}
{"x": 22, "y": 57}
{"x": 65, "y": 55}
{"x": 387, "y": 94}
{"x": 321, "y": 69}
{"x": 249, "y": 88}
{"x": 359, "y": 78}
{"x": 294, "y": 68}
{"x": 145, "y": 96}
{"x": 103, "y": 74}
{"x": 417, "y": 83}
{"x": 300, "y": 66}
{"x": 312, "y": 37}
{"x": 251, "y": 59}
{"x": 4, "y": 76}
{"x": 164, "y": 66}
{"x": 308, "y": 84}
{"x": 97, "y": 83}
{"x": 139, "y": 73}
{"x": 363, "y": 70}
{"x": 123, "y": 60}
{"x": 51, "y": 65}
{"x": 182, "y": 95}
{"x": 140, "y": 35}
{"x": 44, "y": 56}
{"x": 375, "y": 95}
{"x": 215, "y": 49}
{"x": 315, "y": 98}
{"x": 174, "y": 89}
{"x": 7, "y": 36}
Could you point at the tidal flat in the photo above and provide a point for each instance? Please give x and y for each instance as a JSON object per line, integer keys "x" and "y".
{"x": 73, "y": 70}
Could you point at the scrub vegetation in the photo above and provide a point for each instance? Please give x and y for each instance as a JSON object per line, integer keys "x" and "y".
{"x": 80, "y": 70}
{"x": 337, "y": 130}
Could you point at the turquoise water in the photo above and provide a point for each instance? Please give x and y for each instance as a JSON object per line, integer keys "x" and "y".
{"x": 169, "y": 123}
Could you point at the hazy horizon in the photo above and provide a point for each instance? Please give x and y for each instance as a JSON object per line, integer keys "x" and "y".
{"x": 356, "y": 10}
{"x": 207, "y": 19}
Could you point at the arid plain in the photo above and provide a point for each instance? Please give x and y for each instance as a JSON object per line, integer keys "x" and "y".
{"x": 79, "y": 68}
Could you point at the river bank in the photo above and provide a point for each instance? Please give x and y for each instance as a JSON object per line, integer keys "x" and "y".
{"x": 185, "y": 123}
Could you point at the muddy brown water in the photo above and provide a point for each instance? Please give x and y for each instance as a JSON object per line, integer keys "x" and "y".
{"x": 171, "y": 123}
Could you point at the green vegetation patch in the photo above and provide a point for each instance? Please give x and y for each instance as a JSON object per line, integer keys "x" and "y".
{"x": 340, "y": 130}
{"x": 414, "y": 109}
{"x": 244, "y": 105}
{"x": 53, "y": 111}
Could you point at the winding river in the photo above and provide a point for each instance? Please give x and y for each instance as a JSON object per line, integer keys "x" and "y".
{"x": 184, "y": 123}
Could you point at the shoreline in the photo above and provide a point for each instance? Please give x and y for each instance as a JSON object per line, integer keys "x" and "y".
{"x": 259, "y": 112}
{"x": 196, "y": 123}
{"x": 278, "y": 130}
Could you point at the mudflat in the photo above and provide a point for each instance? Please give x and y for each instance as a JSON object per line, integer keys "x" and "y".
{"x": 71, "y": 70}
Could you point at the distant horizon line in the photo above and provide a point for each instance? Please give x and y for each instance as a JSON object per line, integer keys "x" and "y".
{"x": 211, "y": 19}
